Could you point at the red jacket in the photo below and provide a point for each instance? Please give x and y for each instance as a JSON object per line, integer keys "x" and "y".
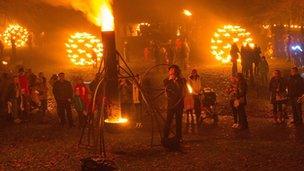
{"x": 83, "y": 93}
{"x": 24, "y": 84}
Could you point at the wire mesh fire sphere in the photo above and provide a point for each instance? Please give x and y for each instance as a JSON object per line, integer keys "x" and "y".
{"x": 16, "y": 33}
{"x": 84, "y": 49}
{"x": 223, "y": 39}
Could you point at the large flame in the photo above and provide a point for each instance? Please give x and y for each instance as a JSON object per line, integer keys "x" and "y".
{"x": 105, "y": 17}
{"x": 98, "y": 12}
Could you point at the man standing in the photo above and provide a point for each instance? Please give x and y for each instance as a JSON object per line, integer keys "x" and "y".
{"x": 196, "y": 84}
{"x": 175, "y": 87}
{"x": 43, "y": 91}
{"x": 63, "y": 93}
{"x": 263, "y": 70}
{"x": 25, "y": 93}
{"x": 295, "y": 87}
{"x": 244, "y": 60}
{"x": 234, "y": 53}
{"x": 241, "y": 101}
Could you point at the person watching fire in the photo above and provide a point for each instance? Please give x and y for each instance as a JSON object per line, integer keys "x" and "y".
{"x": 196, "y": 84}
{"x": 175, "y": 88}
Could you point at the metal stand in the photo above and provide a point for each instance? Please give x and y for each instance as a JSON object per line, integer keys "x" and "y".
{"x": 92, "y": 134}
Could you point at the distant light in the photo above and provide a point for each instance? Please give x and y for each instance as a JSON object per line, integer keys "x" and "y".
{"x": 139, "y": 25}
{"x": 297, "y": 47}
{"x": 187, "y": 13}
{"x": 190, "y": 89}
{"x": 266, "y": 26}
{"x": 4, "y": 63}
{"x": 117, "y": 120}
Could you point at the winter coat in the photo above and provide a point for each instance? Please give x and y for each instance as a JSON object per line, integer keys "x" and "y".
{"x": 63, "y": 91}
{"x": 13, "y": 92}
{"x": 175, "y": 91}
{"x": 263, "y": 67}
{"x": 83, "y": 93}
{"x": 295, "y": 86}
{"x": 238, "y": 91}
{"x": 24, "y": 84}
{"x": 79, "y": 104}
{"x": 242, "y": 91}
{"x": 42, "y": 88}
{"x": 234, "y": 53}
{"x": 277, "y": 87}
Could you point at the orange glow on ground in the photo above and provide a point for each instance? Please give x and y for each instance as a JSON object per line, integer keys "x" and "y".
{"x": 117, "y": 121}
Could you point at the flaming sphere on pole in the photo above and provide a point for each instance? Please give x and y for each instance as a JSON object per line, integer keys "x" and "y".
{"x": 223, "y": 39}
{"x": 84, "y": 49}
{"x": 17, "y": 34}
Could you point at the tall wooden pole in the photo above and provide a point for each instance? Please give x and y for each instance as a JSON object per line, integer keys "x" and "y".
{"x": 111, "y": 75}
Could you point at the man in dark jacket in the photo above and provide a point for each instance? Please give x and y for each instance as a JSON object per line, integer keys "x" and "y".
{"x": 241, "y": 101}
{"x": 295, "y": 86}
{"x": 277, "y": 88}
{"x": 175, "y": 87}
{"x": 63, "y": 93}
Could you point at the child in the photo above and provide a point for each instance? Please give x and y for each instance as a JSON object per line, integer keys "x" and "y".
{"x": 80, "y": 107}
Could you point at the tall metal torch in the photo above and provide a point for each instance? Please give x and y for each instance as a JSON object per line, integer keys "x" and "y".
{"x": 111, "y": 61}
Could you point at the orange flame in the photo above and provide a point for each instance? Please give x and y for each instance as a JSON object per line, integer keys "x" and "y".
{"x": 105, "y": 17}
{"x": 98, "y": 12}
{"x": 187, "y": 13}
{"x": 190, "y": 89}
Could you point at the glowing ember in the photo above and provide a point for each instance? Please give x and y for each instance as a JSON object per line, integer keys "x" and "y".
{"x": 117, "y": 121}
{"x": 114, "y": 115}
{"x": 224, "y": 37}
{"x": 190, "y": 89}
{"x": 4, "y": 63}
{"x": 17, "y": 33}
{"x": 187, "y": 13}
{"x": 84, "y": 49}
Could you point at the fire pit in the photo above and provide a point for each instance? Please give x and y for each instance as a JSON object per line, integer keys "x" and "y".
{"x": 117, "y": 125}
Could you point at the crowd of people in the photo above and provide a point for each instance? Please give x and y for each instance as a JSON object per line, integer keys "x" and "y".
{"x": 24, "y": 93}
{"x": 284, "y": 92}
{"x": 253, "y": 64}
{"x": 21, "y": 93}
{"x": 172, "y": 52}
